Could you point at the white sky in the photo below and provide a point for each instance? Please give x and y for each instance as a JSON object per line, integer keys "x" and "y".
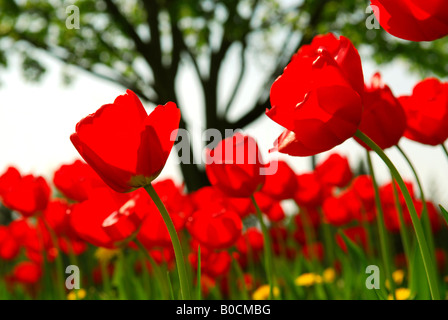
{"x": 36, "y": 121}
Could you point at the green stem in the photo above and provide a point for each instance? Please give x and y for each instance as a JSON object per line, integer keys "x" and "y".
{"x": 425, "y": 217}
{"x": 267, "y": 250}
{"x": 58, "y": 260}
{"x": 180, "y": 262}
{"x": 366, "y": 225}
{"x": 105, "y": 277}
{"x": 198, "y": 277}
{"x": 403, "y": 231}
{"x": 155, "y": 268}
{"x": 328, "y": 239}
{"x": 444, "y": 149}
{"x": 240, "y": 275}
{"x": 384, "y": 240}
{"x": 423, "y": 246}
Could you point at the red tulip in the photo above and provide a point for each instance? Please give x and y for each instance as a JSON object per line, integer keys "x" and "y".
{"x": 242, "y": 206}
{"x": 318, "y": 98}
{"x": 77, "y": 180}
{"x": 125, "y": 146}
{"x": 28, "y": 195}
{"x": 123, "y": 224}
{"x": 310, "y": 191}
{"x": 427, "y": 112}
{"x": 363, "y": 187}
{"x": 343, "y": 52}
{"x": 9, "y": 247}
{"x": 341, "y": 209}
{"x": 282, "y": 184}
{"x": 413, "y": 20}
{"x": 153, "y": 232}
{"x": 215, "y": 229}
{"x": 87, "y": 218}
{"x": 264, "y": 201}
{"x": 8, "y": 179}
{"x": 235, "y": 166}
{"x": 383, "y": 118}
{"x": 208, "y": 198}
{"x": 334, "y": 171}
{"x": 213, "y": 264}
{"x": 56, "y": 215}
{"x": 174, "y": 198}
{"x": 251, "y": 241}
{"x": 275, "y": 213}
{"x": 27, "y": 272}
{"x": 19, "y": 229}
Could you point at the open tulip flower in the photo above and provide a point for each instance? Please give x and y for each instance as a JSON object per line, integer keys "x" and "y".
{"x": 88, "y": 217}
{"x": 414, "y": 20}
{"x": 235, "y": 166}
{"x": 29, "y": 195}
{"x": 318, "y": 98}
{"x": 427, "y": 112}
{"x": 77, "y": 180}
{"x": 127, "y": 147}
{"x": 383, "y": 118}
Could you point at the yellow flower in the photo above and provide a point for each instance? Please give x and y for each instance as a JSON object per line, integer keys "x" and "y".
{"x": 401, "y": 294}
{"x": 262, "y": 293}
{"x": 308, "y": 279}
{"x": 105, "y": 255}
{"x": 77, "y": 294}
{"x": 329, "y": 275}
{"x": 398, "y": 277}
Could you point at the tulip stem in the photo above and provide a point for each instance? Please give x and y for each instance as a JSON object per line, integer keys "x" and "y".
{"x": 269, "y": 263}
{"x": 444, "y": 149}
{"x": 423, "y": 246}
{"x": 384, "y": 240}
{"x": 58, "y": 260}
{"x": 403, "y": 229}
{"x": 198, "y": 277}
{"x": 155, "y": 268}
{"x": 105, "y": 277}
{"x": 180, "y": 262}
{"x": 425, "y": 216}
{"x": 328, "y": 237}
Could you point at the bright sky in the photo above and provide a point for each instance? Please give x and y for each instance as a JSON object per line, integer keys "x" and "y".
{"x": 36, "y": 121}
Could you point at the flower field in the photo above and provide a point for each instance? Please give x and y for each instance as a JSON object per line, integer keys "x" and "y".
{"x": 107, "y": 227}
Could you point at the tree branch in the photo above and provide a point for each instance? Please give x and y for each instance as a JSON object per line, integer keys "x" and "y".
{"x": 239, "y": 80}
{"x": 69, "y": 61}
{"x": 259, "y": 108}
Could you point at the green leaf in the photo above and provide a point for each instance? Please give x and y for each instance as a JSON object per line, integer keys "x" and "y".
{"x": 444, "y": 213}
{"x": 353, "y": 249}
